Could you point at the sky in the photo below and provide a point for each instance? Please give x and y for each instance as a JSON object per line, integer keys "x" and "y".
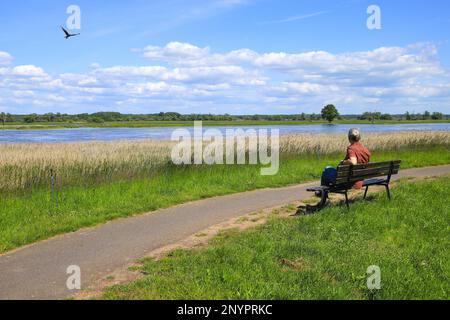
{"x": 225, "y": 56}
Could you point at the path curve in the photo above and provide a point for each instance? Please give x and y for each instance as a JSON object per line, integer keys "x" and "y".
{"x": 38, "y": 271}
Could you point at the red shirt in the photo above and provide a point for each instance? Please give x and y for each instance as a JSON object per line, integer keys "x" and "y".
{"x": 362, "y": 155}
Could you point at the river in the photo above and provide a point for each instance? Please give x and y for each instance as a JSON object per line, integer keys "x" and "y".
{"x": 164, "y": 133}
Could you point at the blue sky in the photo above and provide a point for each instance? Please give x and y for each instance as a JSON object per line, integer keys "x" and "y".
{"x": 225, "y": 56}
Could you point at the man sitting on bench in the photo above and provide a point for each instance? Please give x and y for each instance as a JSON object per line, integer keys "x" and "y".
{"x": 357, "y": 153}
{"x": 353, "y": 172}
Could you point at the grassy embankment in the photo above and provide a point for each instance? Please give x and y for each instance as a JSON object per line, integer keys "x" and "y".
{"x": 324, "y": 256}
{"x": 153, "y": 124}
{"x": 98, "y": 182}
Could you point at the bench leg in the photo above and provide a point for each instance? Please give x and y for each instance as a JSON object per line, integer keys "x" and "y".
{"x": 346, "y": 200}
{"x": 308, "y": 209}
{"x": 388, "y": 191}
{"x": 365, "y": 193}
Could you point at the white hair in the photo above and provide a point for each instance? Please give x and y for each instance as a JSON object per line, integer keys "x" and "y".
{"x": 354, "y": 134}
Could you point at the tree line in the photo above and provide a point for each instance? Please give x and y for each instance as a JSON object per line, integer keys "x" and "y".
{"x": 329, "y": 113}
{"x": 407, "y": 116}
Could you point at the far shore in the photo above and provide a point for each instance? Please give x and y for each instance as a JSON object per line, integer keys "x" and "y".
{"x": 161, "y": 124}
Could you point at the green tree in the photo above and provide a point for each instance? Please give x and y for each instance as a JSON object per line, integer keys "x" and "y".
{"x": 30, "y": 118}
{"x": 371, "y": 116}
{"x": 330, "y": 113}
{"x": 437, "y": 116}
{"x": 96, "y": 120}
{"x": 50, "y": 117}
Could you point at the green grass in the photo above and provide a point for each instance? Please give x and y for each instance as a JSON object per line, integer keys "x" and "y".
{"x": 151, "y": 124}
{"x": 324, "y": 256}
{"x": 27, "y": 218}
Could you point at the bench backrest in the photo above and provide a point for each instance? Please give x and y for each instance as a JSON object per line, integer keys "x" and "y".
{"x": 349, "y": 175}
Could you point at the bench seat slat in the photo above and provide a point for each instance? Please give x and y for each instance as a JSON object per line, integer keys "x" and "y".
{"x": 370, "y": 175}
{"x": 342, "y": 180}
{"x": 371, "y": 182}
{"x": 362, "y": 172}
{"x": 369, "y": 165}
{"x": 357, "y": 172}
{"x": 353, "y": 180}
{"x": 316, "y": 189}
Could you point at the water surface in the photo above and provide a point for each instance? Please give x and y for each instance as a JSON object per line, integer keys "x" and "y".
{"x": 164, "y": 133}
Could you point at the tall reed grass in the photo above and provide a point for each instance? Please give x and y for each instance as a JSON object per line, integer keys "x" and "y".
{"x": 28, "y": 166}
{"x": 329, "y": 144}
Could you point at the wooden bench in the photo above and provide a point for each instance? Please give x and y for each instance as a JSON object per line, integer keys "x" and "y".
{"x": 373, "y": 174}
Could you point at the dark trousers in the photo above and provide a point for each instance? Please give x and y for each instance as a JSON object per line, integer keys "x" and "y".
{"x": 329, "y": 176}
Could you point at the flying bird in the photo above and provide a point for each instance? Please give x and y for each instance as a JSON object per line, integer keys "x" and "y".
{"x": 68, "y": 34}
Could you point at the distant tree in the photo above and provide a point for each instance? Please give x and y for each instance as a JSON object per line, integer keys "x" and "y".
{"x": 172, "y": 116}
{"x": 437, "y": 116}
{"x": 107, "y": 116}
{"x": 426, "y": 115}
{"x": 408, "y": 116}
{"x": 386, "y": 116}
{"x": 330, "y": 113}
{"x": 371, "y": 116}
{"x": 364, "y": 116}
{"x": 30, "y": 118}
{"x": 50, "y": 117}
{"x": 3, "y": 118}
{"x": 96, "y": 120}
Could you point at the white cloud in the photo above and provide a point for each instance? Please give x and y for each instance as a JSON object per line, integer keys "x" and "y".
{"x": 185, "y": 54}
{"x": 28, "y": 71}
{"x": 127, "y": 71}
{"x": 307, "y": 88}
{"x": 186, "y": 78}
{"x": 23, "y": 93}
{"x": 177, "y": 50}
{"x": 5, "y": 58}
{"x": 385, "y": 63}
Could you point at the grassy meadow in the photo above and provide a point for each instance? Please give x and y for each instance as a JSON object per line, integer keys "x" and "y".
{"x": 323, "y": 256}
{"x": 100, "y": 181}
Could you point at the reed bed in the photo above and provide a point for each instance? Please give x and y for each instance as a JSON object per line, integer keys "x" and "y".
{"x": 27, "y": 166}
{"x": 329, "y": 144}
